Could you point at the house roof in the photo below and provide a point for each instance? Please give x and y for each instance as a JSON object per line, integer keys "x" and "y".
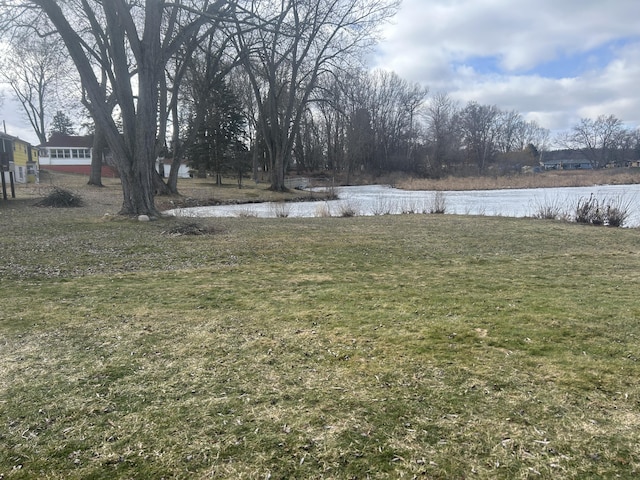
{"x": 60, "y": 140}
{"x": 6, "y": 136}
{"x": 568, "y": 161}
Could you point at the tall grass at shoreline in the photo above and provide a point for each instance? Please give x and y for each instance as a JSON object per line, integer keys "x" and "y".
{"x": 612, "y": 211}
{"x": 550, "y": 179}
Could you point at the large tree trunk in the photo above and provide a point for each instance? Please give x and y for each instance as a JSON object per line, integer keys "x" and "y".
{"x": 159, "y": 186}
{"x": 172, "y": 181}
{"x": 134, "y": 150}
{"x": 277, "y": 174}
{"x": 137, "y": 188}
{"x": 99, "y": 144}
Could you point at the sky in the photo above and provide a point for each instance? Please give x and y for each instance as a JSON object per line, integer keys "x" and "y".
{"x": 554, "y": 61}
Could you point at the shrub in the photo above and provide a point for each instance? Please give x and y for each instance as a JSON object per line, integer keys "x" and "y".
{"x": 409, "y": 206}
{"x": 323, "y": 211}
{"x": 588, "y": 211}
{"x": 331, "y": 193}
{"x": 61, "y": 198}
{"x": 618, "y": 211}
{"x": 550, "y": 209}
{"x": 612, "y": 212}
{"x": 382, "y": 206}
{"x": 348, "y": 210}
{"x": 246, "y": 213}
{"x": 281, "y": 209}
{"x": 438, "y": 203}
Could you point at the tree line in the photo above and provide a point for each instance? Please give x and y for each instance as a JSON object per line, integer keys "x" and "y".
{"x": 260, "y": 86}
{"x": 133, "y": 58}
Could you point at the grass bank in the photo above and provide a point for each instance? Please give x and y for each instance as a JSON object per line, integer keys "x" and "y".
{"x": 549, "y": 179}
{"x": 407, "y": 346}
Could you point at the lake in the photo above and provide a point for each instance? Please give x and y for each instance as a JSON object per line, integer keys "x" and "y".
{"x": 381, "y": 199}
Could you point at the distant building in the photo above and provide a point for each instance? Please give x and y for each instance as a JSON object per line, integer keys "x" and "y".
{"x": 70, "y": 154}
{"x": 19, "y": 157}
{"x": 566, "y": 164}
{"x": 163, "y": 167}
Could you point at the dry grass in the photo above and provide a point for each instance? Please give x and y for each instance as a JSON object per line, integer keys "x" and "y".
{"x": 329, "y": 348}
{"x": 583, "y": 178}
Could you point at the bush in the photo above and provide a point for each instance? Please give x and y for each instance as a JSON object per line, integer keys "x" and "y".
{"x": 438, "y": 203}
{"x": 246, "y": 213}
{"x": 323, "y": 211}
{"x": 409, "y": 207}
{"x": 281, "y": 209}
{"x": 550, "y": 209}
{"x": 382, "y": 206}
{"x": 61, "y": 198}
{"x": 588, "y": 211}
{"x": 612, "y": 212}
{"x": 348, "y": 210}
{"x": 618, "y": 211}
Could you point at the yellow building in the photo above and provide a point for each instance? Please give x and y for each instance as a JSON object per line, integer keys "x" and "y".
{"x": 19, "y": 157}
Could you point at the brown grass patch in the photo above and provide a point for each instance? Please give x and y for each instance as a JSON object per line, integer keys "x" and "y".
{"x": 551, "y": 179}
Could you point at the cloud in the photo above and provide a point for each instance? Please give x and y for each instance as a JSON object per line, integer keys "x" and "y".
{"x": 553, "y": 61}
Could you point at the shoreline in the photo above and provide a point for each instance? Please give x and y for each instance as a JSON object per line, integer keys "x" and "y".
{"x": 550, "y": 179}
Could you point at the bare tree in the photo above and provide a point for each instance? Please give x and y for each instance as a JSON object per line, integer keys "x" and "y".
{"x": 286, "y": 47}
{"x": 480, "y": 128}
{"x": 242, "y": 87}
{"x": 512, "y": 128}
{"x": 515, "y": 133}
{"x": 359, "y": 140}
{"x": 35, "y": 77}
{"x": 442, "y": 135}
{"x": 599, "y": 140}
{"x": 394, "y": 105}
{"x": 333, "y": 118}
{"x": 131, "y": 41}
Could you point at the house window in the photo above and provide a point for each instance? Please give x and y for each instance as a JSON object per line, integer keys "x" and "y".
{"x": 67, "y": 153}
{"x": 76, "y": 153}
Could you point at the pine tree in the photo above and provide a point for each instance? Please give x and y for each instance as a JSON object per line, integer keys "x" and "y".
{"x": 62, "y": 124}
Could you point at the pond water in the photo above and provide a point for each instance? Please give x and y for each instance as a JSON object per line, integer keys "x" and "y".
{"x": 381, "y": 199}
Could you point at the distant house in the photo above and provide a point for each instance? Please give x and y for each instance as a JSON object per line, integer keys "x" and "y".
{"x": 70, "y": 154}
{"x": 19, "y": 157}
{"x": 566, "y": 164}
{"x": 163, "y": 167}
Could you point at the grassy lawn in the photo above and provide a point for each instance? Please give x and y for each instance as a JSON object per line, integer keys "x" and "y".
{"x": 415, "y": 346}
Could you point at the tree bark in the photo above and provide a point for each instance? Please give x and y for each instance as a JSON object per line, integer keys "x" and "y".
{"x": 99, "y": 144}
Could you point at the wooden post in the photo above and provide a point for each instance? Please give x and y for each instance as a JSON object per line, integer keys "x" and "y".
{"x": 13, "y": 187}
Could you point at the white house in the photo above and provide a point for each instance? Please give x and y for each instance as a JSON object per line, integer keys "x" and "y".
{"x": 71, "y": 154}
{"x": 163, "y": 167}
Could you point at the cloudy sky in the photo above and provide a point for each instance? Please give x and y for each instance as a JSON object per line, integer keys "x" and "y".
{"x": 554, "y": 61}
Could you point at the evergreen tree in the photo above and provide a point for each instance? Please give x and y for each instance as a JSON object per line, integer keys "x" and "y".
{"x": 62, "y": 124}
{"x": 218, "y": 144}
